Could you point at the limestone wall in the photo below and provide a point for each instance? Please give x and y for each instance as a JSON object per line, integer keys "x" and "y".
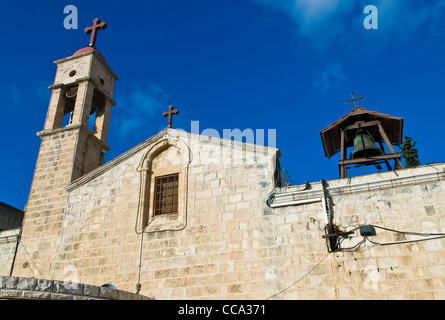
{"x": 229, "y": 244}
{"x": 389, "y": 265}
{"x": 100, "y": 237}
{"x": 8, "y": 245}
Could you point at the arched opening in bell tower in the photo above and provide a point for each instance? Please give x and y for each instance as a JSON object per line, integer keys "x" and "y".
{"x": 70, "y": 101}
{"x": 97, "y": 109}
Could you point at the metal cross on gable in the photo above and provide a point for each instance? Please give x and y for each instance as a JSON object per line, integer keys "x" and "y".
{"x": 355, "y": 99}
{"x": 97, "y": 25}
{"x": 170, "y": 113}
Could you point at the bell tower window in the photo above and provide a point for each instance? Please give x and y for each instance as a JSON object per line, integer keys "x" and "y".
{"x": 97, "y": 107}
{"x": 70, "y": 102}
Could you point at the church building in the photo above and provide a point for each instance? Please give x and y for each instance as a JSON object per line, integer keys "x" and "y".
{"x": 189, "y": 216}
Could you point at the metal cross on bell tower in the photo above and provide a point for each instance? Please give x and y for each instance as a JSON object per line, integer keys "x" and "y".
{"x": 355, "y": 99}
{"x": 97, "y": 25}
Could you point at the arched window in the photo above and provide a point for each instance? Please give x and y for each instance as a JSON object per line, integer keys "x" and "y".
{"x": 164, "y": 187}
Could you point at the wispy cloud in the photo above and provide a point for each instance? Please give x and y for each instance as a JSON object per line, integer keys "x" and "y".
{"x": 324, "y": 22}
{"x": 438, "y": 16}
{"x": 325, "y": 27}
{"x": 15, "y": 94}
{"x": 312, "y": 17}
{"x": 139, "y": 107}
{"x": 331, "y": 77}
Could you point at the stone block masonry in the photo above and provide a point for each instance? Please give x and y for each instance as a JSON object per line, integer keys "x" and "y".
{"x": 395, "y": 263}
{"x": 14, "y": 288}
{"x": 227, "y": 243}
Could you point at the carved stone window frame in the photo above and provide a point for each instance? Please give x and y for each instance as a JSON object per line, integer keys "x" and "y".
{"x": 146, "y": 220}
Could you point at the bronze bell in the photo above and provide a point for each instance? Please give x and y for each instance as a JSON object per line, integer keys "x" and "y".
{"x": 70, "y": 99}
{"x": 364, "y": 146}
{"x": 98, "y": 102}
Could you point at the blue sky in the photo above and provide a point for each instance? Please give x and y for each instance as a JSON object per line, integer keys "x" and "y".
{"x": 287, "y": 65}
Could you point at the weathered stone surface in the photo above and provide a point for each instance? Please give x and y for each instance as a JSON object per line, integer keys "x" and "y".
{"x": 108, "y": 293}
{"x": 44, "y": 285}
{"x": 40, "y": 289}
{"x": 26, "y": 284}
{"x": 8, "y": 282}
{"x": 91, "y": 291}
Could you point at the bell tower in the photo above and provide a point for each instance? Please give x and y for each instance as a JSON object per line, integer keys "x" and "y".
{"x": 80, "y": 107}
{"x": 73, "y": 143}
{"x": 81, "y": 102}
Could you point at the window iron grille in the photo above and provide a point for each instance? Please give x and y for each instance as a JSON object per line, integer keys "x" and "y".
{"x": 166, "y": 195}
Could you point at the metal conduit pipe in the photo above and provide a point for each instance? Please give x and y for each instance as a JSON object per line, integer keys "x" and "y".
{"x": 296, "y": 202}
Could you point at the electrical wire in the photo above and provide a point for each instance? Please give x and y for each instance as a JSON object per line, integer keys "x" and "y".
{"x": 301, "y": 278}
{"x": 353, "y": 248}
{"x": 429, "y": 236}
{"x": 402, "y": 241}
{"x": 357, "y": 246}
{"x": 410, "y": 232}
{"x": 277, "y": 188}
{"x": 32, "y": 262}
{"x": 287, "y": 176}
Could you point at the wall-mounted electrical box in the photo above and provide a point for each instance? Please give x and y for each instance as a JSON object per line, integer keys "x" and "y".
{"x": 367, "y": 230}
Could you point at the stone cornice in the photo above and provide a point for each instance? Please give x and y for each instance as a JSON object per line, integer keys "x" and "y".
{"x": 92, "y": 52}
{"x": 366, "y": 183}
{"x": 72, "y": 127}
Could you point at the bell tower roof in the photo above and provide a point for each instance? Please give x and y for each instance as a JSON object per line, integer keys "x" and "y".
{"x": 331, "y": 136}
{"x": 88, "y": 49}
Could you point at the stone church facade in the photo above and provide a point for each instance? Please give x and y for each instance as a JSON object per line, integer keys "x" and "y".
{"x": 234, "y": 230}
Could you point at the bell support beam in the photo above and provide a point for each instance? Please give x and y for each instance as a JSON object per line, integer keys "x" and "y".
{"x": 388, "y": 165}
{"x": 342, "y": 168}
{"x": 398, "y": 163}
{"x": 371, "y": 159}
{"x": 367, "y": 160}
{"x": 362, "y": 124}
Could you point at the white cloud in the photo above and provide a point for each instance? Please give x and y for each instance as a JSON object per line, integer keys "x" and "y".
{"x": 312, "y": 13}
{"x": 328, "y": 27}
{"x": 326, "y": 21}
{"x": 312, "y": 16}
{"x": 139, "y": 108}
{"x": 330, "y": 77}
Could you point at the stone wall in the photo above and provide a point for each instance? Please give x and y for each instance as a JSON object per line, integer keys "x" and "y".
{"x": 100, "y": 238}
{"x": 389, "y": 264}
{"x": 8, "y": 245}
{"x": 13, "y": 288}
{"x": 10, "y": 217}
{"x": 232, "y": 245}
